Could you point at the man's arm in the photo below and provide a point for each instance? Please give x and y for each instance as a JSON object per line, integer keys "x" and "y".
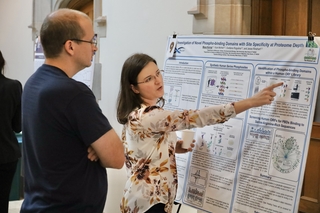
{"x": 109, "y": 149}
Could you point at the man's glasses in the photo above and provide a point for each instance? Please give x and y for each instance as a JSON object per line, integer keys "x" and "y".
{"x": 93, "y": 41}
{"x": 152, "y": 78}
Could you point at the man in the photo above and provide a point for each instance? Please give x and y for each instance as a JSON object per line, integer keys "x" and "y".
{"x": 67, "y": 141}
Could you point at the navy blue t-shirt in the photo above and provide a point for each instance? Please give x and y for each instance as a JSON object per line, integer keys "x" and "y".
{"x": 60, "y": 119}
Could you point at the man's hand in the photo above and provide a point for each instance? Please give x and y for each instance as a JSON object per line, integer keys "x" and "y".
{"x": 92, "y": 155}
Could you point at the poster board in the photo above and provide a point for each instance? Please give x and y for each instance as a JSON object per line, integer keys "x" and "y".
{"x": 256, "y": 161}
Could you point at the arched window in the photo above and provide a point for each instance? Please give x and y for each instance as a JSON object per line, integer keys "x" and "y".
{"x": 85, "y": 6}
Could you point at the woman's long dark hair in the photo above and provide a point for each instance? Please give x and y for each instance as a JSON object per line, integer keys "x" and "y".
{"x": 127, "y": 99}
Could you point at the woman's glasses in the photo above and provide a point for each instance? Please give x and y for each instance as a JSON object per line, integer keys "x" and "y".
{"x": 152, "y": 78}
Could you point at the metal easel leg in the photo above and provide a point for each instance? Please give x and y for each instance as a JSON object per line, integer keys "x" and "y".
{"x": 176, "y": 203}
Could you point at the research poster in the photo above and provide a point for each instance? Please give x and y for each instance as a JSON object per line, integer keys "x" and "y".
{"x": 255, "y": 162}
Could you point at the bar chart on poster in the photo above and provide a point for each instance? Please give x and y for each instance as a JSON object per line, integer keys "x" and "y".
{"x": 256, "y": 161}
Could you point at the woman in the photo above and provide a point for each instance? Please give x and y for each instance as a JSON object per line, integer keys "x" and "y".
{"x": 10, "y": 122}
{"x": 149, "y": 133}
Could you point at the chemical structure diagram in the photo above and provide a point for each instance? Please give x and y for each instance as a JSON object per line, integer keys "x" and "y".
{"x": 173, "y": 96}
{"x": 286, "y": 155}
{"x": 218, "y": 140}
{"x": 214, "y": 83}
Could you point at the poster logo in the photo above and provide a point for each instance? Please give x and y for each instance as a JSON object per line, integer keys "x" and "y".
{"x": 310, "y": 55}
{"x": 179, "y": 50}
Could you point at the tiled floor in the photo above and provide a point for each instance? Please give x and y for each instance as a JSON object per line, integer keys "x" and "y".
{"x": 14, "y": 206}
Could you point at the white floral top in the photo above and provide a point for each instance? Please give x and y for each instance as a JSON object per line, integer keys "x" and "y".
{"x": 149, "y": 139}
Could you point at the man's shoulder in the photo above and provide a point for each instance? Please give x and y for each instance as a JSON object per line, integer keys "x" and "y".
{"x": 50, "y": 76}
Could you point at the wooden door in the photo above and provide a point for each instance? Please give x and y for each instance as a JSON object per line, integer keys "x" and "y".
{"x": 85, "y": 6}
{"x": 87, "y": 9}
{"x": 294, "y": 18}
{"x": 285, "y": 17}
{"x": 310, "y": 195}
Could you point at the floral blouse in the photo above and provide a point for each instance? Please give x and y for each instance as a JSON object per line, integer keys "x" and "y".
{"x": 149, "y": 139}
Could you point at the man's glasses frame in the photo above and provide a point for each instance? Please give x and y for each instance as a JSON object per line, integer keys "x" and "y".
{"x": 93, "y": 41}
